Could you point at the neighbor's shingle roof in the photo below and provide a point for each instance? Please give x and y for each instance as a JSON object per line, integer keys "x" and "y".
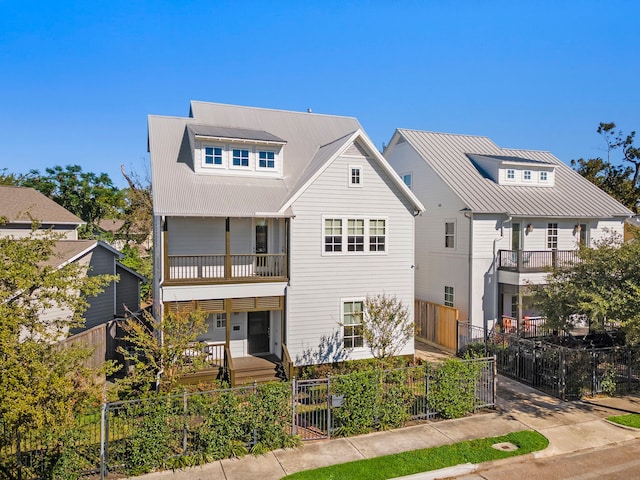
{"x": 22, "y": 205}
{"x": 571, "y": 196}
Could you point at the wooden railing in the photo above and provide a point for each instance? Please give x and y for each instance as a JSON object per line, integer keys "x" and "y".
{"x": 287, "y": 363}
{"x": 536, "y": 261}
{"x": 253, "y": 267}
{"x": 229, "y": 371}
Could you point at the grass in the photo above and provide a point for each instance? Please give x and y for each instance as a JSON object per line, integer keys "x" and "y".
{"x": 629, "y": 420}
{"x": 416, "y": 461}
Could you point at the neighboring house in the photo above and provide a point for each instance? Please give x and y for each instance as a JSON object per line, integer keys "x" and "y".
{"x": 21, "y": 206}
{"x": 277, "y": 224}
{"x": 496, "y": 220}
{"x": 113, "y": 232}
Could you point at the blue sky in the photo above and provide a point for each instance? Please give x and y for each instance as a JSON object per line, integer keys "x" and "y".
{"x": 78, "y": 79}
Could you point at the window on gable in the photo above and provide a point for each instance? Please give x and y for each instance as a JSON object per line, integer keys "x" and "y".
{"x": 449, "y": 234}
{"x": 527, "y": 175}
{"x": 266, "y": 159}
{"x": 511, "y": 174}
{"x": 543, "y": 176}
{"x": 448, "y": 296}
{"x": 377, "y": 235}
{"x": 407, "y": 178}
{"x": 552, "y": 235}
{"x": 355, "y": 237}
{"x": 240, "y": 157}
{"x": 213, "y": 155}
{"x": 352, "y": 323}
{"x": 333, "y": 235}
{"x": 355, "y": 177}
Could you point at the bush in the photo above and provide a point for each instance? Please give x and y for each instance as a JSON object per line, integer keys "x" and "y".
{"x": 452, "y": 387}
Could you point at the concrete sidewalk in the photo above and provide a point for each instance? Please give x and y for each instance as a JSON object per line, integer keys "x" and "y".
{"x": 569, "y": 426}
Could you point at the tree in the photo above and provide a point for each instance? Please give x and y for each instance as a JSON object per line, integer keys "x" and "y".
{"x": 158, "y": 351}
{"x": 89, "y": 196}
{"x": 604, "y": 286}
{"x": 618, "y": 180}
{"x": 42, "y": 385}
{"x": 138, "y": 210}
{"x": 386, "y": 326}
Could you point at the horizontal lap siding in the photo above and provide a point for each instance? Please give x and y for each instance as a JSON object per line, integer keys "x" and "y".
{"x": 102, "y": 306}
{"x": 318, "y": 283}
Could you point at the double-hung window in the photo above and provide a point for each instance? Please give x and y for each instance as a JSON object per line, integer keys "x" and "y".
{"x": 449, "y": 234}
{"x": 355, "y": 237}
{"x": 552, "y": 235}
{"x": 355, "y": 177}
{"x": 352, "y": 311}
{"x": 333, "y": 235}
{"x": 266, "y": 159}
{"x": 240, "y": 157}
{"x": 448, "y": 296}
{"x": 213, "y": 155}
{"x": 377, "y": 235}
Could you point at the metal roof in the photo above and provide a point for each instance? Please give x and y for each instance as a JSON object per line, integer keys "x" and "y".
{"x": 234, "y": 133}
{"x": 572, "y": 195}
{"x": 22, "y": 205}
{"x": 178, "y": 190}
{"x": 506, "y": 160}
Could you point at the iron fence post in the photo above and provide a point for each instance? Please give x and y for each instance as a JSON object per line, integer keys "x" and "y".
{"x": 255, "y": 430}
{"x": 293, "y": 406}
{"x": 104, "y": 439}
{"x": 495, "y": 380}
{"x": 328, "y": 405}
{"x": 184, "y": 422}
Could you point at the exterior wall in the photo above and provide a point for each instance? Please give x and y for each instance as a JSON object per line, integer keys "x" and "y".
{"x": 101, "y": 307}
{"x": 22, "y": 231}
{"x": 320, "y": 282}
{"x": 436, "y": 266}
{"x": 127, "y": 292}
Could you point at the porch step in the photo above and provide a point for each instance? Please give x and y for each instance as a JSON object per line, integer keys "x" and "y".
{"x": 260, "y": 370}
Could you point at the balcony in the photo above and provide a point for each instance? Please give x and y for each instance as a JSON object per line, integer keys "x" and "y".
{"x": 530, "y": 261}
{"x": 215, "y": 269}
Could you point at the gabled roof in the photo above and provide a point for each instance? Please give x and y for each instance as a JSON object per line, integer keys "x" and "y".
{"x": 450, "y": 157}
{"x": 22, "y": 205}
{"x": 311, "y": 140}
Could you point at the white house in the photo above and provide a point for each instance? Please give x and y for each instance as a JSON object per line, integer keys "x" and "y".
{"x": 278, "y": 224}
{"x": 495, "y": 220}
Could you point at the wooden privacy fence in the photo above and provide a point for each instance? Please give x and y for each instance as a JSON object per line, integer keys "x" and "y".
{"x": 437, "y": 324}
{"x": 95, "y": 338}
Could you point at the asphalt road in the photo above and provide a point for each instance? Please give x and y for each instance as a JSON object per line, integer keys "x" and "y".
{"x": 617, "y": 462}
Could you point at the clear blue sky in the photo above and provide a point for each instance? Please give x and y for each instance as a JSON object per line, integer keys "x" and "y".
{"x": 78, "y": 79}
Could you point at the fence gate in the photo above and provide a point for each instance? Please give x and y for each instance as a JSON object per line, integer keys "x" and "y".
{"x": 311, "y": 408}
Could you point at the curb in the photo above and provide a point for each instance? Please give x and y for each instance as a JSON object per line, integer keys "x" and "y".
{"x": 455, "y": 471}
{"x": 619, "y": 425}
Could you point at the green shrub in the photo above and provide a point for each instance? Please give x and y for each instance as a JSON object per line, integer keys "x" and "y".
{"x": 361, "y": 392}
{"x": 271, "y": 409}
{"x": 452, "y": 387}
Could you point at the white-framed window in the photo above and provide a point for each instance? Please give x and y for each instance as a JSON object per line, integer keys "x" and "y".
{"x": 377, "y": 235}
{"x": 352, "y": 311}
{"x": 220, "y": 320}
{"x": 240, "y": 157}
{"x": 355, "y": 235}
{"x": 266, "y": 159}
{"x": 552, "y": 235}
{"x": 449, "y": 234}
{"x": 511, "y": 174}
{"x": 333, "y": 235}
{"x": 213, "y": 155}
{"x": 355, "y": 176}
{"x": 407, "y": 178}
{"x": 526, "y": 175}
{"x": 448, "y": 296}
{"x": 544, "y": 176}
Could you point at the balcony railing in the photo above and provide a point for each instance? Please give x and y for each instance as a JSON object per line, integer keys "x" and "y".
{"x": 536, "y": 261}
{"x": 222, "y": 268}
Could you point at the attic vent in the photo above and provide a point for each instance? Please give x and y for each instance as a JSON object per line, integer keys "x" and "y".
{"x": 243, "y": 304}
{"x": 268, "y": 303}
{"x": 214, "y": 306}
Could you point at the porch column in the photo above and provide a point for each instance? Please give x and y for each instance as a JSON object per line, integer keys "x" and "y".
{"x": 227, "y": 251}
{"x": 227, "y": 323}
{"x": 519, "y": 309}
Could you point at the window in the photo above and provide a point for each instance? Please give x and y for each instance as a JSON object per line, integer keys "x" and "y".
{"x": 527, "y": 175}
{"x": 407, "y": 178}
{"x": 552, "y": 235}
{"x": 220, "y": 320}
{"x": 449, "y": 234}
{"x": 543, "y": 176}
{"x": 266, "y": 159}
{"x": 377, "y": 235}
{"x": 583, "y": 234}
{"x": 333, "y": 235}
{"x": 355, "y": 177}
{"x": 213, "y": 155}
{"x": 355, "y": 237}
{"x": 448, "y": 296}
{"x": 515, "y": 236}
{"x": 352, "y": 323}
{"x": 514, "y": 306}
{"x": 511, "y": 174}
{"x": 240, "y": 157}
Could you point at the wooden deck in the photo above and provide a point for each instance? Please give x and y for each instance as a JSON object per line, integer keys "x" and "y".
{"x": 261, "y": 369}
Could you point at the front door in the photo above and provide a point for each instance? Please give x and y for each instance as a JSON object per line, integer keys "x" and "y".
{"x": 258, "y": 332}
{"x": 261, "y": 249}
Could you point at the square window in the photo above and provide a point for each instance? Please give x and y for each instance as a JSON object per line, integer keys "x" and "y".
{"x": 333, "y": 235}
{"x": 449, "y": 234}
{"x": 352, "y": 323}
{"x": 355, "y": 237}
{"x": 355, "y": 177}
{"x": 407, "y": 178}
{"x": 527, "y": 175}
{"x": 448, "y": 296}
{"x": 511, "y": 174}
{"x": 377, "y": 235}
{"x": 266, "y": 159}
{"x": 213, "y": 155}
{"x": 240, "y": 157}
{"x": 552, "y": 235}
{"x": 543, "y": 176}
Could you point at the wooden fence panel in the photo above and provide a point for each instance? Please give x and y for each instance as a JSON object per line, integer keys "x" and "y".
{"x": 437, "y": 324}
{"x": 95, "y": 338}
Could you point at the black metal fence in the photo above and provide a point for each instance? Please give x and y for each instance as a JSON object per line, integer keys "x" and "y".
{"x": 566, "y": 373}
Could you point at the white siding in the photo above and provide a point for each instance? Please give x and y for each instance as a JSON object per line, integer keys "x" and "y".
{"x": 319, "y": 282}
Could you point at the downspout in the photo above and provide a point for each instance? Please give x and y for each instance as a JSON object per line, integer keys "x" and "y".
{"x": 495, "y": 275}
{"x": 469, "y": 215}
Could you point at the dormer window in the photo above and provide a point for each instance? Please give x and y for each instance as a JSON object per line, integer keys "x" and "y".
{"x": 511, "y": 174}
{"x": 213, "y": 155}
{"x": 543, "y": 176}
{"x": 240, "y": 157}
{"x": 266, "y": 159}
{"x": 526, "y": 175}
{"x": 355, "y": 176}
